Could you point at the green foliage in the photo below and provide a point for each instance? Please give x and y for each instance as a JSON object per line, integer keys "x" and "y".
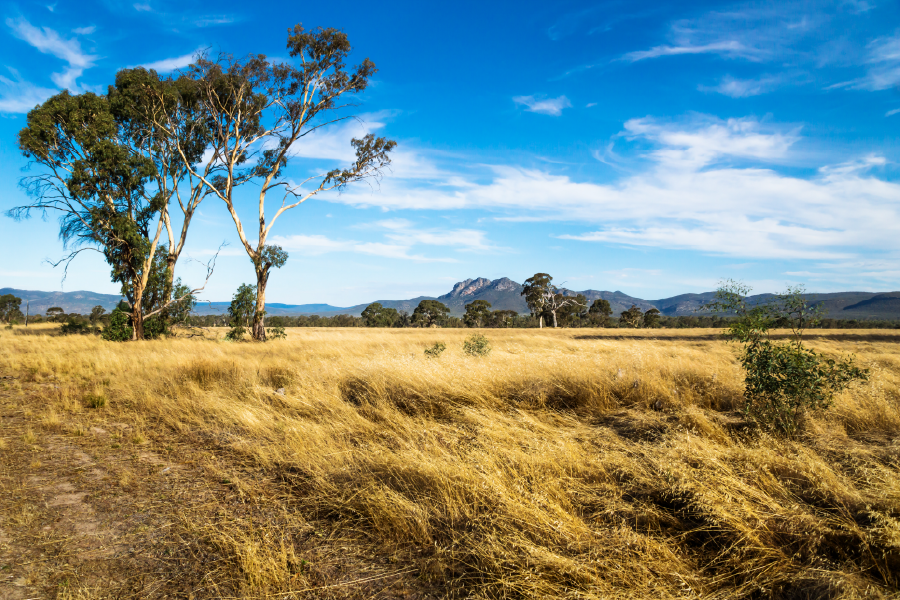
{"x": 119, "y": 328}
{"x": 651, "y": 318}
{"x": 9, "y": 308}
{"x": 783, "y": 380}
{"x": 241, "y": 310}
{"x": 375, "y": 315}
{"x": 76, "y": 324}
{"x": 535, "y": 290}
{"x": 477, "y": 345}
{"x": 97, "y": 314}
{"x": 601, "y": 307}
{"x": 429, "y": 312}
{"x": 633, "y": 317}
{"x": 477, "y": 313}
{"x": 276, "y": 333}
{"x": 436, "y": 350}
{"x": 55, "y": 313}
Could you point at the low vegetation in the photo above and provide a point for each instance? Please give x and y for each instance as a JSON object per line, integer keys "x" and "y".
{"x": 347, "y": 463}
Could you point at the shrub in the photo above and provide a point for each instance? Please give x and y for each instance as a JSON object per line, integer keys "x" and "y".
{"x": 436, "y": 350}
{"x": 119, "y": 328}
{"x": 276, "y": 333}
{"x": 783, "y": 380}
{"x": 477, "y": 345}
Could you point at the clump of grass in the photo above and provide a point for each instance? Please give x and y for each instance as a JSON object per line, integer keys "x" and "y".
{"x": 29, "y": 437}
{"x": 95, "y": 400}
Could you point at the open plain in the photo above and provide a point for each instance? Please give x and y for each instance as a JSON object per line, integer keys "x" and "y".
{"x": 345, "y": 463}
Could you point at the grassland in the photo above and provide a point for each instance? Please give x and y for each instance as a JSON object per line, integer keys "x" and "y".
{"x": 344, "y": 463}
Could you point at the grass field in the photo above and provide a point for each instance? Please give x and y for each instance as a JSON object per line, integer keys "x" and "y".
{"x": 344, "y": 463}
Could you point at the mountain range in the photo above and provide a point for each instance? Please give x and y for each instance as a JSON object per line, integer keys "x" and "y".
{"x": 503, "y": 294}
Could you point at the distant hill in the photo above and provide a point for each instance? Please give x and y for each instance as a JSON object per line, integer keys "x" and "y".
{"x": 503, "y": 294}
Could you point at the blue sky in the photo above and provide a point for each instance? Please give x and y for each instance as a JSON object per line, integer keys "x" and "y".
{"x": 653, "y": 148}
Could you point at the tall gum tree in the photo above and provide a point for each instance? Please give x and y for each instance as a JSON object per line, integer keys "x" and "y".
{"x": 139, "y": 99}
{"x": 109, "y": 177}
{"x": 256, "y": 111}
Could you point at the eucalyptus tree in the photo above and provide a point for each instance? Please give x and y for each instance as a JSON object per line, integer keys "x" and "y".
{"x": 429, "y": 312}
{"x": 256, "y": 111}
{"x": 477, "y": 313}
{"x": 543, "y": 298}
{"x": 109, "y": 173}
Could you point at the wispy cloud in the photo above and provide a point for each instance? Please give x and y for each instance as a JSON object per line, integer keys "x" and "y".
{"x": 48, "y": 41}
{"x": 883, "y": 66}
{"x": 314, "y": 245}
{"x": 544, "y": 106}
{"x": 743, "y": 88}
{"x": 891, "y": 113}
{"x": 85, "y": 30}
{"x": 728, "y": 48}
{"x": 142, "y": 7}
{"x": 167, "y": 65}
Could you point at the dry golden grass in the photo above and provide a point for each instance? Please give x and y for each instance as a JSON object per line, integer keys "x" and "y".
{"x": 567, "y": 464}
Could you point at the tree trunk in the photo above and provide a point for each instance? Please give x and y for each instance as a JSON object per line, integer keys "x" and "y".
{"x": 137, "y": 316}
{"x": 553, "y": 312}
{"x": 259, "y": 322}
{"x": 541, "y": 321}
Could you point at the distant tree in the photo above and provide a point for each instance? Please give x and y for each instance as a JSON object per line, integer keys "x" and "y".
{"x": 572, "y": 308}
{"x": 535, "y": 291}
{"x": 55, "y": 313}
{"x": 477, "y": 313}
{"x": 601, "y": 307}
{"x": 651, "y": 318}
{"x": 241, "y": 311}
{"x": 429, "y": 312}
{"x": 403, "y": 319}
{"x": 257, "y": 111}
{"x": 96, "y": 314}
{"x": 503, "y": 318}
{"x": 632, "y": 317}
{"x": 557, "y": 302}
{"x": 9, "y": 307}
{"x": 375, "y": 315}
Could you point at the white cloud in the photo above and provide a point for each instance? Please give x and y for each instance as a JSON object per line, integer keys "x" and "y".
{"x": 704, "y": 190}
{"x": 731, "y": 48}
{"x": 314, "y": 245}
{"x": 142, "y": 7}
{"x": 544, "y": 106}
{"x": 883, "y": 70}
{"x": 167, "y": 65}
{"x": 48, "y": 41}
{"x": 743, "y": 88}
{"x": 891, "y": 113}
{"x": 85, "y": 30}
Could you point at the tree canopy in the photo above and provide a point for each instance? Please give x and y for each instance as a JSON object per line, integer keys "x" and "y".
{"x": 429, "y": 312}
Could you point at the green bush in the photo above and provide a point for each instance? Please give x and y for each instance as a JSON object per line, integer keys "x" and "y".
{"x": 477, "y": 345}
{"x": 119, "y": 328}
{"x": 436, "y": 350}
{"x": 783, "y": 380}
{"x": 276, "y": 333}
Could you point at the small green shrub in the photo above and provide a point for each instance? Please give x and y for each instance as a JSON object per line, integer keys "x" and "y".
{"x": 436, "y": 350}
{"x": 276, "y": 333}
{"x": 783, "y": 380}
{"x": 95, "y": 400}
{"x": 119, "y": 328}
{"x": 477, "y": 345}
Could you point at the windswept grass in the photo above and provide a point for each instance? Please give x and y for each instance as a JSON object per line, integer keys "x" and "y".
{"x": 554, "y": 467}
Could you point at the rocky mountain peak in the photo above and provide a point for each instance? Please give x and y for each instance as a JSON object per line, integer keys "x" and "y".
{"x": 468, "y": 287}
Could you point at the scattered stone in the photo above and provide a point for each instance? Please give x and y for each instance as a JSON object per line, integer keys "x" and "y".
{"x": 280, "y": 391}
